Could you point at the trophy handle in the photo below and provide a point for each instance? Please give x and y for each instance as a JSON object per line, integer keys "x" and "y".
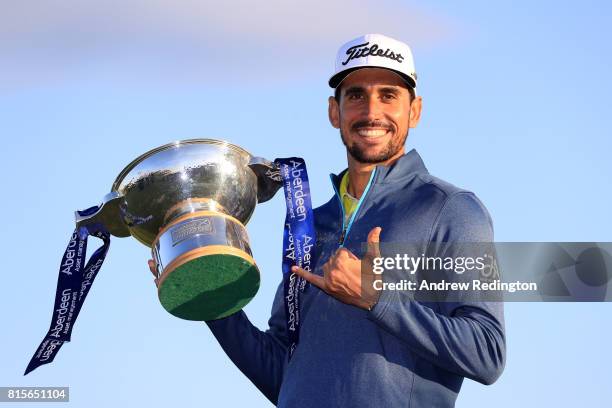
{"x": 268, "y": 178}
{"x": 107, "y": 214}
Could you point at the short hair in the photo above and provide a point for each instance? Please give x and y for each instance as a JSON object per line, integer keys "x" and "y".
{"x": 337, "y": 92}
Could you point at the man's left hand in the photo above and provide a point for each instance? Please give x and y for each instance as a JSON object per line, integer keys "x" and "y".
{"x": 344, "y": 276}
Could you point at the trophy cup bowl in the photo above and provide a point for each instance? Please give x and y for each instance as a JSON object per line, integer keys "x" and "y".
{"x": 189, "y": 201}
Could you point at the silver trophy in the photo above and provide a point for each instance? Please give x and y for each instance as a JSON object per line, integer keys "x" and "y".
{"x": 189, "y": 201}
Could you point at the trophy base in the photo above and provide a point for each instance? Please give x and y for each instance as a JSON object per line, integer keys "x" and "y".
{"x": 209, "y": 283}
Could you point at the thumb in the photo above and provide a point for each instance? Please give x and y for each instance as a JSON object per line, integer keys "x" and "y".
{"x": 153, "y": 267}
{"x": 374, "y": 243}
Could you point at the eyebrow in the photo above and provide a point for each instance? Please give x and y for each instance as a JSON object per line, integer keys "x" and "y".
{"x": 389, "y": 89}
{"x": 353, "y": 90}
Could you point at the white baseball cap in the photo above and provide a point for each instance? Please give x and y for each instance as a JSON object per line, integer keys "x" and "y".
{"x": 374, "y": 50}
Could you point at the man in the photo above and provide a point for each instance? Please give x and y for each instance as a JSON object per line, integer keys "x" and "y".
{"x": 360, "y": 347}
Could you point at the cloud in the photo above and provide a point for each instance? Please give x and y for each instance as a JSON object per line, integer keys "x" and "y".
{"x": 196, "y": 41}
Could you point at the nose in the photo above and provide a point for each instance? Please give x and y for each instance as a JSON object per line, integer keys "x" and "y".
{"x": 373, "y": 108}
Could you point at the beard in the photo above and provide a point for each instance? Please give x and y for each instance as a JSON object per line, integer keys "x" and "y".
{"x": 361, "y": 155}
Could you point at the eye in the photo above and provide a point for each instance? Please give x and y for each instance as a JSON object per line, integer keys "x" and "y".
{"x": 388, "y": 96}
{"x": 354, "y": 96}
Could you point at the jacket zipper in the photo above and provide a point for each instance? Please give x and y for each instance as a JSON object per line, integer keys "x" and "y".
{"x": 347, "y": 228}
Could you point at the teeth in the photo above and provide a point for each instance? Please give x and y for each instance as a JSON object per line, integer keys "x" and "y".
{"x": 372, "y": 132}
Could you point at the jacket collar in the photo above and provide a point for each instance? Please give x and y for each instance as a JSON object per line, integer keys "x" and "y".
{"x": 406, "y": 166}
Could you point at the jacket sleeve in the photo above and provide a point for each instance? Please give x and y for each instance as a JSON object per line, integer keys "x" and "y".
{"x": 259, "y": 355}
{"x": 464, "y": 336}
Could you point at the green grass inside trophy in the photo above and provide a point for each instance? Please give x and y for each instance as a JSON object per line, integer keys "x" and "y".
{"x": 189, "y": 202}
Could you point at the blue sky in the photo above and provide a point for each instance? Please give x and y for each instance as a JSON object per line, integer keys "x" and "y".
{"x": 516, "y": 108}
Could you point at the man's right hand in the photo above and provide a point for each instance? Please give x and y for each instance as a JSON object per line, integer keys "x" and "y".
{"x": 153, "y": 269}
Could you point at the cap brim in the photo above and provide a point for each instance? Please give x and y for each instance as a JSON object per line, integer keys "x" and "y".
{"x": 335, "y": 80}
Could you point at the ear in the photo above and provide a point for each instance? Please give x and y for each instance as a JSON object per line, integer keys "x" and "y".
{"x": 333, "y": 112}
{"x": 415, "y": 111}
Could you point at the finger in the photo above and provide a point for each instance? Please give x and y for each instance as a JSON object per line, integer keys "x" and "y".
{"x": 326, "y": 267}
{"x": 316, "y": 280}
{"x": 374, "y": 243}
{"x": 153, "y": 267}
{"x": 345, "y": 253}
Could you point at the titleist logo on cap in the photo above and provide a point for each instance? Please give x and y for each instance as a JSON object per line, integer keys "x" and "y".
{"x": 362, "y": 50}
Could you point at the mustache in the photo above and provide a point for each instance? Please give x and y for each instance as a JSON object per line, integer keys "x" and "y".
{"x": 372, "y": 124}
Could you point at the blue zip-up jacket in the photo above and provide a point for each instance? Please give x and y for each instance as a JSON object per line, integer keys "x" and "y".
{"x": 402, "y": 353}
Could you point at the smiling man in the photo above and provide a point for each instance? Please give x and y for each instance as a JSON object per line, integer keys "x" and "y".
{"x": 360, "y": 347}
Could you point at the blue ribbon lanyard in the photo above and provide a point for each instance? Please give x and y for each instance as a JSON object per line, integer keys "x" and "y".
{"x": 298, "y": 240}
{"x": 75, "y": 277}
{"x": 73, "y": 284}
